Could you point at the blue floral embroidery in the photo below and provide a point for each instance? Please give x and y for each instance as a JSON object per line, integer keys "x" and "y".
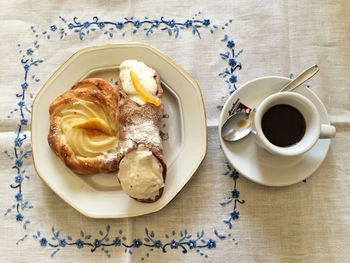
{"x": 233, "y": 196}
{"x": 21, "y": 239}
{"x": 230, "y": 55}
{"x": 149, "y": 26}
{"x": 30, "y": 51}
{"x": 19, "y": 217}
{"x": 230, "y": 44}
{"x": 181, "y": 240}
{"x": 53, "y": 28}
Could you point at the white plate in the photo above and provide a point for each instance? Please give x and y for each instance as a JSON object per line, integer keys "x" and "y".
{"x": 100, "y": 195}
{"x": 257, "y": 164}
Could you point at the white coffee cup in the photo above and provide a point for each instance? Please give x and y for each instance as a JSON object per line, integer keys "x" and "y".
{"x": 314, "y": 128}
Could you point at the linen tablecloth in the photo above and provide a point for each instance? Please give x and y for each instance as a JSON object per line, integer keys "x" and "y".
{"x": 305, "y": 222}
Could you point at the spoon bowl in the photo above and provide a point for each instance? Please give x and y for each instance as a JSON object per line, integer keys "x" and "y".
{"x": 236, "y": 127}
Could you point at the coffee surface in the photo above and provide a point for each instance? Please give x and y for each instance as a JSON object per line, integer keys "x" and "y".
{"x": 283, "y": 125}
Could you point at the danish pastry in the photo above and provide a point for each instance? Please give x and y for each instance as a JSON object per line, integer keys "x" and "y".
{"x": 84, "y": 130}
{"x": 97, "y": 127}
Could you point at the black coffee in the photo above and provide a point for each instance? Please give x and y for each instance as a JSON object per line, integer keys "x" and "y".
{"x": 283, "y": 125}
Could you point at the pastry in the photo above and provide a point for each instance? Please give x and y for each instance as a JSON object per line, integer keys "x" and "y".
{"x": 142, "y": 169}
{"x": 84, "y": 130}
{"x": 96, "y": 127}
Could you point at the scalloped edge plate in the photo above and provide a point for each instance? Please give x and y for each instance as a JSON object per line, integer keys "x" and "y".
{"x": 183, "y": 153}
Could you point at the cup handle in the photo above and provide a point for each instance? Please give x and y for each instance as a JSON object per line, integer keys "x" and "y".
{"x": 327, "y": 131}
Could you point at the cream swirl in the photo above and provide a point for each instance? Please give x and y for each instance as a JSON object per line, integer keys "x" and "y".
{"x": 145, "y": 75}
{"x": 87, "y": 129}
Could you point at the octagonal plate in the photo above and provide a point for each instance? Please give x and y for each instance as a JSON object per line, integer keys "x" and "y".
{"x": 100, "y": 195}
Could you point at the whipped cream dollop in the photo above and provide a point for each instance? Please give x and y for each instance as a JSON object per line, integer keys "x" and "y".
{"x": 145, "y": 76}
{"x": 140, "y": 174}
{"x": 91, "y": 141}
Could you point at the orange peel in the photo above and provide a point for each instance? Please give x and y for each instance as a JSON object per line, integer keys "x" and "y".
{"x": 95, "y": 124}
{"x": 143, "y": 94}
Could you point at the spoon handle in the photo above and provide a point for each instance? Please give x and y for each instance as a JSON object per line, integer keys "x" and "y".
{"x": 307, "y": 74}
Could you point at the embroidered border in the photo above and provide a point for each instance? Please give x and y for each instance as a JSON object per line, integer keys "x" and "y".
{"x": 176, "y": 239}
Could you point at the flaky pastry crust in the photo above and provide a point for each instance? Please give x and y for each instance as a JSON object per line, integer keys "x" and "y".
{"x": 102, "y": 94}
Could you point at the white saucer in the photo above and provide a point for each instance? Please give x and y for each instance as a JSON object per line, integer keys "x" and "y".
{"x": 258, "y": 165}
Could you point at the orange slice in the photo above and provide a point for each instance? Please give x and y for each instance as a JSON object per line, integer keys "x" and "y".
{"x": 144, "y": 95}
{"x": 95, "y": 124}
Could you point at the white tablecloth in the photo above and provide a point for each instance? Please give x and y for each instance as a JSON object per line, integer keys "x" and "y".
{"x": 306, "y": 222}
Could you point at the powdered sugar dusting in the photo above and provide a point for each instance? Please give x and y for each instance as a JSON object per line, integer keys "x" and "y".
{"x": 107, "y": 157}
{"x": 123, "y": 147}
{"x": 144, "y": 132}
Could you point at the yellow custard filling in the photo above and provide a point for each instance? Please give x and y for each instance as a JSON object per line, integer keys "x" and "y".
{"x": 87, "y": 129}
